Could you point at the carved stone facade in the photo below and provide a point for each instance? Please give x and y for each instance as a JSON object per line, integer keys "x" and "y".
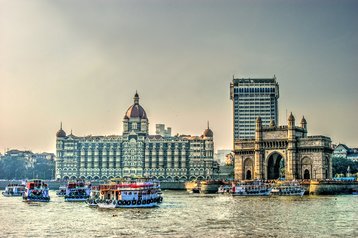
{"x": 135, "y": 153}
{"x": 283, "y": 152}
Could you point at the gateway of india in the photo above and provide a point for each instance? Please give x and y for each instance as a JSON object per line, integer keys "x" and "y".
{"x": 283, "y": 152}
{"x": 135, "y": 153}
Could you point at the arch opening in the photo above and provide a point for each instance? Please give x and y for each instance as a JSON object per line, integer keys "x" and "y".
{"x": 276, "y": 167}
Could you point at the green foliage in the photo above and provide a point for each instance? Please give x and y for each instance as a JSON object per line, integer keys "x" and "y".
{"x": 19, "y": 168}
{"x": 340, "y": 165}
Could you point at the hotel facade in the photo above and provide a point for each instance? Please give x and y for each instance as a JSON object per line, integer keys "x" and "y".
{"x": 135, "y": 153}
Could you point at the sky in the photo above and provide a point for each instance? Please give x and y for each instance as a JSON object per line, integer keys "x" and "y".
{"x": 81, "y": 62}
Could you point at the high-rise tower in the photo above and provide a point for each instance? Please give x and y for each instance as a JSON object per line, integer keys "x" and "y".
{"x": 252, "y": 98}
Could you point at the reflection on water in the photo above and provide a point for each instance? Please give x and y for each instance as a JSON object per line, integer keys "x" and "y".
{"x": 186, "y": 215}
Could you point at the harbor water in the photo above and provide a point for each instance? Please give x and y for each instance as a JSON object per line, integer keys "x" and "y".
{"x": 186, "y": 215}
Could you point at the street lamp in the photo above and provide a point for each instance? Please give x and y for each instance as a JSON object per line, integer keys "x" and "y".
{"x": 314, "y": 170}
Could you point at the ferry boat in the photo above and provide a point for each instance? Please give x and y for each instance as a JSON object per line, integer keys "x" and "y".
{"x": 36, "y": 191}
{"x": 355, "y": 192}
{"x": 224, "y": 189}
{"x": 61, "y": 192}
{"x": 94, "y": 197}
{"x": 129, "y": 194}
{"x": 14, "y": 190}
{"x": 77, "y": 191}
{"x": 210, "y": 186}
{"x": 288, "y": 189}
{"x": 255, "y": 188}
{"x": 193, "y": 186}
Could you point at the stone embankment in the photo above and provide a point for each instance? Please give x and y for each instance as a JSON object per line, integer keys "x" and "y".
{"x": 54, "y": 185}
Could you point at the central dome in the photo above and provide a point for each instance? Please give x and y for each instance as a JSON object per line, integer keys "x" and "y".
{"x": 136, "y": 110}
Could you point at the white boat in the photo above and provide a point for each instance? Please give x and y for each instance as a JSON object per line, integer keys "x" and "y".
{"x": 224, "y": 189}
{"x": 129, "y": 194}
{"x": 61, "y": 192}
{"x": 77, "y": 191}
{"x": 94, "y": 197}
{"x": 256, "y": 188}
{"x": 288, "y": 189}
{"x": 36, "y": 191}
{"x": 14, "y": 190}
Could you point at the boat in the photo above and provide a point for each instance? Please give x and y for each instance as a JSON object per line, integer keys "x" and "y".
{"x": 138, "y": 193}
{"x": 61, "y": 192}
{"x": 224, "y": 189}
{"x": 36, "y": 191}
{"x": 210, "y": 186}
{"x": 288, "y": 189}
{"x": 355, "y": 192}
{"x": 256, "y": 188}
{"x": 193, "y": 186}
{"x": 14, "y": 190}
{"x": 94, "y": 196}
{"x": 77, "y": 191}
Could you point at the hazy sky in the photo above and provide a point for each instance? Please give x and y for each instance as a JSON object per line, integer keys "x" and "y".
{"x": 80, "y": 62}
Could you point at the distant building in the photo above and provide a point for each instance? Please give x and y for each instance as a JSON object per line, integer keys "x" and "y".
{"x": 160, "y": 130}
{"x": 30, "y": 157}
{"x": 252, "y": 98}
{"x": 283, "y": 152}
{"x": 221, "y": 156}
{"x": 343, "y": 151}
{"x": 135, "y": 152}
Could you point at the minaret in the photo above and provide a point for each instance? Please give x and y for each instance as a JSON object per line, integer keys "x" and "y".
{"x": 258, "y": 173}
{"x": 304, "y": 126}
{"x": 291, "y": 149}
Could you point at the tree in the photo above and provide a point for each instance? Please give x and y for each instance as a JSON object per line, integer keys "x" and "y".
{"x": 340, "y": 165}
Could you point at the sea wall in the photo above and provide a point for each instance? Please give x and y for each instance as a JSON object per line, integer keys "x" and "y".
{"x": 332, "y": 187}
{"x": 54, "y": 185}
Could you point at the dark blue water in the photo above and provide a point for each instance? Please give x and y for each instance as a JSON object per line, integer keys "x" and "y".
{"x": 186, "y": 215}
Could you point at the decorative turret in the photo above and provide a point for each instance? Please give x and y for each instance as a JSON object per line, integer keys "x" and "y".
{"x": 61, "y": 133}
{"x": 304, "y": 126}
{"x": 291, "y": 120}
{"x": 258, "y": 134}
{"x": 291, "y": 127}
{"x": 136, "y": 98}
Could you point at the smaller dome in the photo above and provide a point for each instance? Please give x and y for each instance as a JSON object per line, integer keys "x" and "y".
{"x": 61, "y": 133}
{"x": 208, "y": 132}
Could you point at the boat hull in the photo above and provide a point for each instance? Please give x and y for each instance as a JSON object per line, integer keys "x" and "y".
{"x": 11, "y": 194}
{"x": 252, "y": 194}
{"x": 129, "y": 204}
{"x": 36, "y": 199}
{"x": 83, "y": 199}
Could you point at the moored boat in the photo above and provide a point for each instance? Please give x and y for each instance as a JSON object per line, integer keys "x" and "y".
{"x": 224, "y": 189}
{"x": 288, "y": 189}
{"x": 77, "y": 191}
{"x": 256, "y": 188}
{"x": 193, "y": 186}
{"x": 210, "y": 186}
{"x": 129, "y": 194}
{"x": 61, "y": 192}
{"x": 36, "y": 191}
{"x": 14, "y": 190}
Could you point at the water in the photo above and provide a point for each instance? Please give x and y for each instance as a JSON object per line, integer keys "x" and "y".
{"x": 186, "y": 215}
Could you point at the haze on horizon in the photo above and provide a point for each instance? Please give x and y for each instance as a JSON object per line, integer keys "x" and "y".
{"x": 80, "y": 62}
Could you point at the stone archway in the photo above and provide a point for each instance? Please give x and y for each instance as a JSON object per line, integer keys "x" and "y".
{"x": 306, "y": 169}
{"x": 275, "y": 166}
{"x": 248, "y": 168}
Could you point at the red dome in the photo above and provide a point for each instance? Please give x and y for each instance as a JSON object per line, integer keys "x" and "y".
{"x": 136, "y": 110}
